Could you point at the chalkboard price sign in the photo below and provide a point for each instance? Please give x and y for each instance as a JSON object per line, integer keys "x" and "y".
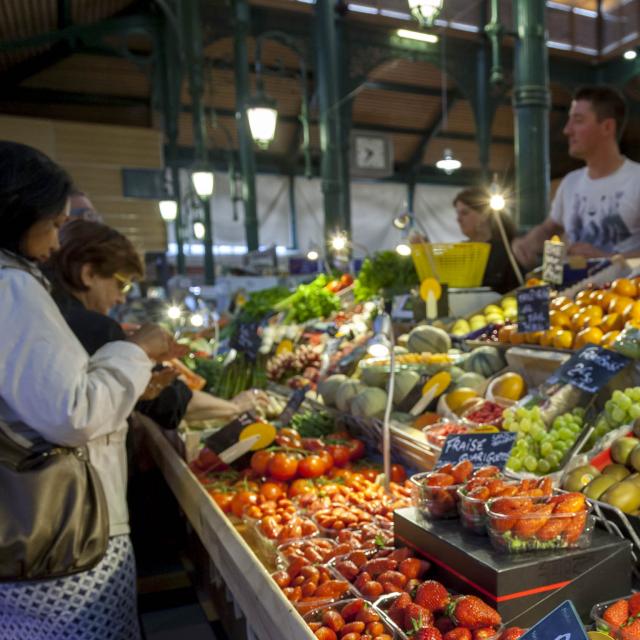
{"x": 590, "y": 368}
{"x": 533, "y": 309}
{"x": 247, "y": 340}
{"x": 563, "y": 623}
{"x": 480, "y": 448}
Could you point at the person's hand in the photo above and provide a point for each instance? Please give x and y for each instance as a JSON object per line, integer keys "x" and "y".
{"x": 586, "y": 250}
{"x": 250, "y": 400}
{"x": 159, "y": 381}
{"x": 525, "y": 252}
{"x": 157, "y": 343}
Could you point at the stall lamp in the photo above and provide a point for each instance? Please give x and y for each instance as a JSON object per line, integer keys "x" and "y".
{"x": 403, "y": 249}
{"x": 198, "y": 230}
{"x": 448, "y": 164}
{"x": 382, "y": 345}
{"x": 339, "y": 242}
{"x": 196, "y": 320}
{"x": 174, "y": 312}
{"x": 417, "y": 35}
{"x": 203, "y": 183}
{"x": 312, "y": 254}
{"x": 263, "y": 116}
{"x": 402, "y": 221}
{"x": 168, "y": 210}
{"x": 497, "y": 200}
{"x": 631, "y": 54}
{"x": 425, "y": 11}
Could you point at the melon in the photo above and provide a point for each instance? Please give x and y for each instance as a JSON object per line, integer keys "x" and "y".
{"x": 484, "y": 360}
{"x": 405, "y": 382}
{"x": 369, "y": 403}
{"x": 426, "y": 338}
{"x": 329, "y": 387}
{"x": 400, "y": 351}
{"x": 456, "y": 373}
{"x": 374, "y": 376}
{"x": 471, "y": 380}
{"x": 348, "y": 390}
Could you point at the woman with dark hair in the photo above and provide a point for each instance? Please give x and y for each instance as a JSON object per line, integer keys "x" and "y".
{"x": 478, "y": 223}
{"x": 51, "y": 389}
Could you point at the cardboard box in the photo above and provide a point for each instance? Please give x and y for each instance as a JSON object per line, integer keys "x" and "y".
{"x": 523, "y": 587}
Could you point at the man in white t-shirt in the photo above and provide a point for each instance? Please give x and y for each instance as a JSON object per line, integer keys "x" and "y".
{"x": 597, "y": 208}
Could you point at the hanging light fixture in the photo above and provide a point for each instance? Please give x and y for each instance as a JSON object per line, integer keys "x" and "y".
{"x": 631, "y": 54}
{"x": 425, "y": 11}
{"x": 203, "y": 183}
{"x": 168, "y": 210}
{"x": 198, "y": 230}
{"x": 402, "y": 221}
{"x": 448, "y": 163}
{"x": 403, "y": 249}
{"x": 339, "y": 242}
{"x": 263, "y": 116}
{"x": 497, "y": 201}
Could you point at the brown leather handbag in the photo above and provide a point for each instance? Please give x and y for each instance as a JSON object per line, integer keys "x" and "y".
{"x": 53, "y": 513}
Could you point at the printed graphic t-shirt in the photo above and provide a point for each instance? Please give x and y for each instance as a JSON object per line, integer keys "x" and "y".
{"x": 604, "y": 212}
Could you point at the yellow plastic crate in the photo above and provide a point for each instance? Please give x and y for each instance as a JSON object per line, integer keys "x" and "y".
{"x": 460, "y": 264}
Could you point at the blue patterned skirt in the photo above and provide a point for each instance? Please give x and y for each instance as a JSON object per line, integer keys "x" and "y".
{"x": 94, "y": 605}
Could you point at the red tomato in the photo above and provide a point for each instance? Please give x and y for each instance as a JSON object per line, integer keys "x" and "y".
{"x": 260, "y": 462}
{"x": 272, "y": 490}
{"x": 340, "y": 454}
{"x": 223, "y": 500}
{"x": 311, "y": 467}
{"x": 300, "y": 486}
{"x": 346, "y": 280}
{"x": 398, "y": 474}
{"x": 328, "y": 459}
{"x": 356, "y": 449}
{"x": 241, "y": 500}
{"x": 283, "y": 466}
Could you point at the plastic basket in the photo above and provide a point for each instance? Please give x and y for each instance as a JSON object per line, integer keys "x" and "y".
{"x": 459, "y": 265}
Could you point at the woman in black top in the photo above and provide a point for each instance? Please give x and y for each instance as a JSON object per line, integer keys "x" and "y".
{"x": 478, "y": 223}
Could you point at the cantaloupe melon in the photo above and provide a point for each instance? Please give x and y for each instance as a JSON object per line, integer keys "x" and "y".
{"x": 348, "y": 390}
{"x": 425, "y": 338}
{"x": 374, "y": 376}
{"x": 471, "y": 380}
{"x": 404, "y": 383}
{"x": 456, "y": 373}
{"x": 369, "y": 403}
{"x": 484, "y": 360}
{"x": 329, "y": 387}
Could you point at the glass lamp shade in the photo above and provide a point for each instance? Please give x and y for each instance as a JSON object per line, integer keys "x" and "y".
{"x": 262, "y": 122}
{"x": 198, "y": 230}
{"x": 203, "y": 183}
{"x": 168, "y": 210}
{"x": 425, "y": 11}
{"x": 448, "y": 164}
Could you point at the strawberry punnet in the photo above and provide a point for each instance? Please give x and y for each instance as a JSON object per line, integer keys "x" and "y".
{"x": 473, "y": 613}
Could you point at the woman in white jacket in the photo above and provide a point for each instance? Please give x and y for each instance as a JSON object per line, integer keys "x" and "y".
{"x": 49, "y": 383}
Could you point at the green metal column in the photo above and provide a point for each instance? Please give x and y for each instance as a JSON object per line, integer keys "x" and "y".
{"x": 334, "y": 167}
{"x": 531, "y": 101}
{"x": 483, "y": 112}
{"x": 247, "y": 158}
{"x": 293, "y": 212}
{"x": 170, "y": 73}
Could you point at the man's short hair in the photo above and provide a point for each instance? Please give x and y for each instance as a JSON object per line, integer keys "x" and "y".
{"x": 606, "y": 102}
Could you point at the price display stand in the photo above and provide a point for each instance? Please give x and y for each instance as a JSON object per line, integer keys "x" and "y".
{"x": 533, "y": 309}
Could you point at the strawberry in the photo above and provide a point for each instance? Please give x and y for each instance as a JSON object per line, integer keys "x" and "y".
{"x": 616, "y": 614}
{"x": 416, "y": 617}
{"x": 570, "y": 503}
{"x": 444, "y": 625}
{"x": 512, "y": 633}
{"x": 634, "y": 604}
{"x": 527, "y": 526}
{"x": 484, "y": 634}
{"x": 632, "y": 631}
{"x": 432, "y": 595}
{"x": 575, "y": 528}
{"x": 473, "y": 613}
{"x": 396, "y": 611}
{"x": 459, "y": 633}
{"x": 462, "y": 471}
{"x": 426, "y": 633}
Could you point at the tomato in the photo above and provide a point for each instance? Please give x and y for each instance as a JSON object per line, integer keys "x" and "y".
{"x": 312, "y": 444}
{"x": 370, "y": 474}
{"x": 300, "y": 486}
{"x": 340, "y": 454}
{"x": 328, "y": 459}
{"x": 311, "y": 467}
{"x": 324, "y": 633}
{"x": 241, "y": 500}
{"x": 398, "y": 474}
{"x": 346, "y": 280}
{"x": 271, "y": 490}
{"x": 260, "y": 462}
{"x": 356, "y": 449}
{"x": 283, "y": 466}
{"x": 223, "y": 500}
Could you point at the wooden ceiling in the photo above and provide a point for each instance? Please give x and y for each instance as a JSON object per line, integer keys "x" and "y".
{"x": 98, "y": 88}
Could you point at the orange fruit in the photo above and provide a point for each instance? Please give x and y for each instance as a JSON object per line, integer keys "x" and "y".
{"x": 593, "y": 311}
{"x": 612, "y": 322}
{"x": 559, "y": 319}
{"x": 609, "y": 337}
{"x": 533, "y": 282}
{"x": 559, "y": 301}
{"x": 563, "y": 339}
{"x": 604, "y": 299}
{"x": 504, "y": 333}
{"x": 547, "y": 338}
{"x": 625, "y": 287}
{"x": 582, "y": 298}
{"x": 633, "y": 312}
{"x": 620, "y": 304}
{"x": 590, "y": 335}
{"x": 593, "y": 296}
{"x": 517, "y": 338}
{"x": 570, "y": 308}
{"x": 534, "y": 337}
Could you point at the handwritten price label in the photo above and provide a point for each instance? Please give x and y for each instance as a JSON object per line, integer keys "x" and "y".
{"x": 247, "y": 339}
{"x": 590, "y": 368}
{"x": 553, "y": 262}
{"x": 533, "y": 309}
{"x": 480, "y": 448}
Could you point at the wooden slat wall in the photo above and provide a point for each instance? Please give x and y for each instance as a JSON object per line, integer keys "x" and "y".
{"x": 95, "y": 155}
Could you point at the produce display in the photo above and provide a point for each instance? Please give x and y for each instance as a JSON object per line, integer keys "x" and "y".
{"x": 619, "y": 619}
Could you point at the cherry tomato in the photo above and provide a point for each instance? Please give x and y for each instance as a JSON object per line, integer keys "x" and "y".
{"x": 260, "y": 462}
{"x": 311, "y": 467}
{"x": 328, "y": 459}
{"x": 356, "y": 449}
{"x": 271, "y": 490}
{"x": 283, "y": 466}
{"x": 398, "y": 474}
{"x": 300, "y": 486}
{"x": 241, "y": 500}
{"x": 340, "y": 454}
{"x": 223, "y": 500}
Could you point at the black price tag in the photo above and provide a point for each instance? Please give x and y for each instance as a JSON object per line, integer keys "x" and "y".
{"x": 533, "y": 309}
{"x": 590, "y": 368}
{"x": 482, "y": 449}
{"x": 563, "y": 623}
{"x": 228, "y": 435}
{"x": 293, "y": 404}
{"x": 247, "y": 340}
